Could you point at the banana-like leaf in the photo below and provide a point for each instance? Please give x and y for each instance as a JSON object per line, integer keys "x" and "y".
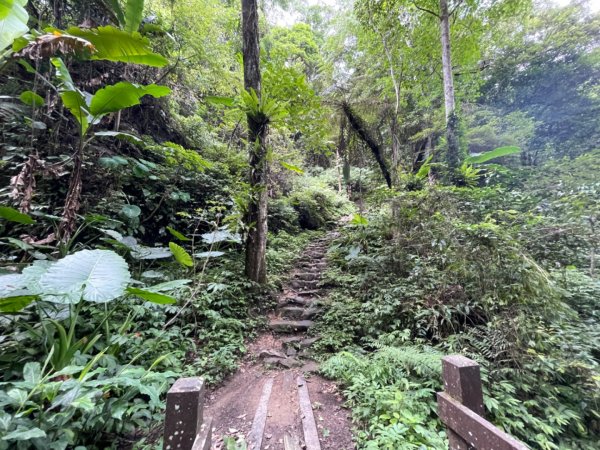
{"x": 51, "y": 44}
{"x": 94, "y": 275}
{"x": 76, "y": 104}
{"x": 154, "y": 297}
{"x": 133, "y": 15}
{"x": 13, "y": 21}
{"x": 425, "y": 169}
{"x": 113, "y": 44}
{"x": 123, "y": 95}
{"x": 181, "y": 255}
{"x": 63, "y": 74}
{"x": 497, "y": 153}
{"x": 292, "y": 167}
{"x": 12, "y": 215}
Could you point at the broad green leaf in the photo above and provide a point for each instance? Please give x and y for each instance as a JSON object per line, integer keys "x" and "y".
{"x": 292, "y": 168}
{"x": 497, "y": 153}
{"x": 13, "y": 21}
{"x": 24, "y": 434}
{"x": 168, "y": 286}
{"x": 123, "y": 95}
{"x": 94, "y": 275}
{"x": 12, "y": 215}
{"x": 425, "y": 168}
{"x": 131, "y": 138}
{"x": 220, "y": 236}
{"x": 75, "y": 103}
{"x": 113, "y": 44}
{"x": 148, "y": 253}
{"x": 181, "y": 255}
{"x": 32, "y": 372}
{"x": 133, "y": 15}
{"x": 177, "y": 234}
{"x": 154, "y": 297}
{"x": 31, "y": 98}
{"x": 226, "y": 101}
{"x": 113, "y": 162}
{"x": 209, "y": 254}
{"x": 359, "y": 220}
{"x": 16, "y": 304}
{"x": 131, "y": 211}
{"x": 63, "y": 74}
{"x": 11, "y": 283}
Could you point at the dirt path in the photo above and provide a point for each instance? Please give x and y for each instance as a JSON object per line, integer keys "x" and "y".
{"x": 276, "y": 401}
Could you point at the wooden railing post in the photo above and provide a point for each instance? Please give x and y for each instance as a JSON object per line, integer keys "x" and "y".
{"x": 461, "y": 409}
{"x": 462, "y": 381}
{"x": 185, "y": 426}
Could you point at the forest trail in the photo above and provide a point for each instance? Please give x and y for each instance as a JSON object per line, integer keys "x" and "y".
{"x": 276, "y": 401}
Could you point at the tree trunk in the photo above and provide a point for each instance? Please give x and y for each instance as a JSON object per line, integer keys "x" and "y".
{"x": 256, "y": 218}
{"x": 452, "y": 156}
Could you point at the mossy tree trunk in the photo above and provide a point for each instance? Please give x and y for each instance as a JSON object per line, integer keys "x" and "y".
{"x": 256, "y": 218}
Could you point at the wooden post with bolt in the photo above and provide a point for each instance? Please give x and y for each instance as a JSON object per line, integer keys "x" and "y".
{"x": 186, "y": 428}
{"x": 461, "y": 409}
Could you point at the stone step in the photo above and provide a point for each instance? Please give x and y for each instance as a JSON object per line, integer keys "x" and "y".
{"x": 298, "y": 300}
{"x": 290, "y": 326}
{"x": 320, "y": 262}
{"x": 308, "y": 275}
{"x": 309, "y": 293}
{"x": 298, "y": 312}
{"x": 304, "y": 285}
{"x": 298, "y": 342}
{"x": 292, "y": 312}
{"x": 286, "y": 363}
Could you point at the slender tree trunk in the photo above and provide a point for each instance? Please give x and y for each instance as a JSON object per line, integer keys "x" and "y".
{"x": 452, "y": 156}
{"x": 256, "y": 218}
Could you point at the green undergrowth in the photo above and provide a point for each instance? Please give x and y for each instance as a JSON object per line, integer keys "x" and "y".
{"x": 441, "y": 270}
{"x": 110, "y": 389}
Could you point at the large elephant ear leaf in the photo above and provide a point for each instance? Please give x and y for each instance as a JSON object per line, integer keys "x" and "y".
{"x": 94, "y": 275}
{"x": 123, "y": 95}
{"x": 13, "y": 21}
{"x": 116, "y": 45}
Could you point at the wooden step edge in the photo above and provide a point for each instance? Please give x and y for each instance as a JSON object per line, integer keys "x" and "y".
{"x": 257, "y": 431}
{"x": 204, "y": 438}
{"x": 309, "y": 426}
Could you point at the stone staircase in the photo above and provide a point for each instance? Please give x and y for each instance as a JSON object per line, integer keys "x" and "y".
{"x": 298, "y": 306}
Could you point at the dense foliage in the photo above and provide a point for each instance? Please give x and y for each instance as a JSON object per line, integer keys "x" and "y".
{"x": 125, "y": 189}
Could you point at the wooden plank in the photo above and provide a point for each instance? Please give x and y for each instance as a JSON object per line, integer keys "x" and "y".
{"x": 462, "y": 381}
{"x": 204, "y": 438}
{"x": 255, "y": 436}
{"x": 311, "y": 435}
{"x": 291, "y": 441}
{"x": 474, "y": 429}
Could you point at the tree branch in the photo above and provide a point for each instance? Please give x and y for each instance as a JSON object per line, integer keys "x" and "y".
{"x": 455, "y": 7}
{"x": 425, "y": 10}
